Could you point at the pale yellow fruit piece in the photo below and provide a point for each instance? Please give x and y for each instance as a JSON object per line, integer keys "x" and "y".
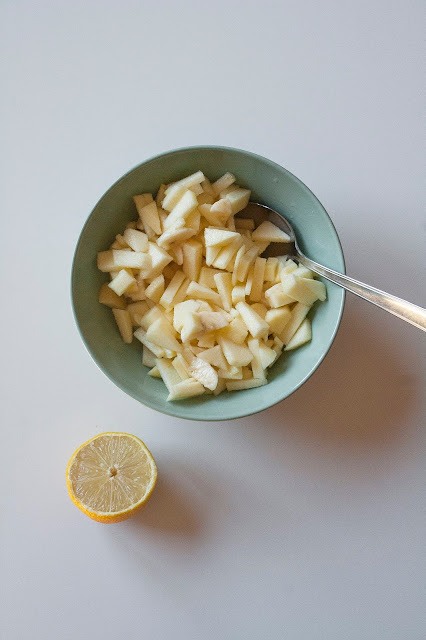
{"x": 197, "y": 291}
{"x": 159, "y": 259}
{"x": 170, "y": 270}
{"x": 257, "y": 326}
{"x": 177, "y": 253}
{"x": 175, "y": 191}
{"x": 238, "y": 199}
{"x": 109, "y": 298}
{"x": 206, "y": 277}
{"x": 269, "y": 232}
{"x": 270, "y": 269}
{"x": 142, "y": 200}
{"x": 181, "y": 294}
{"x": 278, "y": 319}
{"x": 222, "y": 183}
{"x": 137, "y": 310}
{"x": 137, "y": 293}
{"x": 203, "y": 372}
{"x": 315, "y": 286}
{"x": 181, "y": 310}
{"x": 154, "y": 372}
{"x": 137, "y": 240}
{"x": 258, "y": 278}
{"x": 174, "y": 236}
{"x": 298, "y": 314}
{"x": 260, "y": 309}
{"x": 302, "y": 336}
{"x": 160, "y": 195}
{"x": 303, "y": 272}
{"x": 211, "y": 254}
{"x": 161, "y": 333}
{"x": 221, "y": 386}
{"x": 124, "y": 324}
{"x": 207, "y": 341}
{"x": 111, "y": 477}
{"x": 236, "y": 331}
{"x": 222, "y": 208}
{"x": 171, "y": 290}
{"x": 192, "y": 258}
{"x": 298, "y": 290}
{"x": 249, "y": 281}
{"x": 151, "y": 316}
{"x": 231, "y": 373}
{"x": 192, "y": 327}
{"x": 256, "y": 365}
{"x": 224, "y": 286}
{"x": 205, "y": 198}
{"x": 218, "y": 237}
{"x": 155, "y": 290}
{"x": 236, "y": 355}
{"x": 238, "y": 294}
{"x": 211, "y": 217}
{"x": 140, "y": 334}
{"x": 124, "y": 259}
{"x": 121, "y": 282}
{"x": 215, "y": 357}
{"x": 183, "y": 209}
{"x": 286, "y": 267}
{"x": 181, "y": 366}
{"x": 266, "y": 354}
{"x": 168, "y": 373}
{"x": 148, "y": 357}
{"x": 239, "y": 385}
{"x": 276, "y": 297}
{"x": 207, "y": 186}
{"x": 229, "y": 189}
{"x": 226, "y": 254}
{"x": 213, "y": 320}
{"x": 186, "y": 389}
{"x": 105, "y": 261}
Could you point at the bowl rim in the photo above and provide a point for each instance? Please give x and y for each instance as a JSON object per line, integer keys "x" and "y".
{"x": 199, "y": 414}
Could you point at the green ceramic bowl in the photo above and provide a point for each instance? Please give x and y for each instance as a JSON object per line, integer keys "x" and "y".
{"x": 271, "y": 185}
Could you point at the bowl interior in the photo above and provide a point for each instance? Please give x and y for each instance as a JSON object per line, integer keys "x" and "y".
{"x": 271, "y": 185}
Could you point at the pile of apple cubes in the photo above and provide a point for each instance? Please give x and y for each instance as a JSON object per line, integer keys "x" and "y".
{"x": 187, "y": 280}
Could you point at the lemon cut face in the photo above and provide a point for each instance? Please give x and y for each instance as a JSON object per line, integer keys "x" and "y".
{"x": 111, "y": 476}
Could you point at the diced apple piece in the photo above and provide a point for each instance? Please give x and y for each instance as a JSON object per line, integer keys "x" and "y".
{"x": 196, "y": 290}
{"x": 181, "y": 310}
{"x": 192, "y": 327}
{"x": 214, "y": 356}
{"x": 268, "y": 232}
{"x": 186, "y": 389}
{"x": 257, "y": 326}
{"x": 174, "y": 236}
{"x": 161, "y": 333}
{"x": 240, "y": 253}
{"x": 105, "y": 261}
{"x": 192, "y": 258}
{"x": 124, "y": 259}
{"x": 270, "y": 269}
{"x": 286, "y": 267}
{"x": 238, "y": 199}
{"x": 168, "y": 373}
{"x": 224, "y": 286}
{"x": 239, "y": 385}
{"x": 229, "y": 189}
{"x": 209, "y": 215}
{"x": 197, "y": 189}
{"x": 159, "y": 259}
{"x": 140, "y": 334}
{"x": 236, "y": 331}
{"x": 222, "y": 183}
{"x": 148, "y": 357}
{"x": 237, "y": 355}
{"x": 155, "y": 290}
{"x": 211, "y": 254}
{"x": 315, "y": 286}
{"x": 206, "y": 277}
{"x": 177, "y": 253}
{"x": 258, "y": 278}
{"x": 137, "y": 293}
{"x": 205, "y": 198}
{"x": 278, "y": 319}
{"x": 175, "y": 191}
{"x": 303, "y": 272}
{"x": 231, "y": 373}
{"x": 124, "y": 324}
{"x": 227, "y": 253}
{"x": 122, "y": 281}
{"x": 241, "y": 270}
{"x": 222, "y": 209}
{"x": 183, "y": 209}
{"x": 181, "y": 366}
{"x": 207, "y": 341}
{"x": 221, "y": 386}
{"x": 266, "y": 354}
{"x": 249, "y": 280}
{"x": 218, "y": 237}
{"x": 108, "y": 297}
{"x": 181, "y": 294}
{"x": 212, "y": 320}
{"x": 137, "y": 310}
{"x": 160, "y": 195}
{"x": 276, "y": 297}
{"x": 142, "y": 200}
{"x": 298, "y": 314}
{"x": 297, "y": 289}
{"x": 137, "y": 240}
{"x": 171, "y": 290}
{"x": 203, "y": 372}
{"x": 260, "y": 309}
{"x": 151, "y": 316}
{"x": 302, "y": 335}
{"x": 154, "y": 372}
{"x": 256, "y": 365}
{"x": 238, "y": 294}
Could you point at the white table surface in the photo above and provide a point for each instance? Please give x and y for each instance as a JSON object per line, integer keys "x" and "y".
{"x": 307, "y": 521}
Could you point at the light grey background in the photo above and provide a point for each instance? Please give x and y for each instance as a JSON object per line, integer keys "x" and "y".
{"x": 307, "y": 521}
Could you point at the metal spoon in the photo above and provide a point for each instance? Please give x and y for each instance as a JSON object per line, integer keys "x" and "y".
{"x": 407, "y": 311}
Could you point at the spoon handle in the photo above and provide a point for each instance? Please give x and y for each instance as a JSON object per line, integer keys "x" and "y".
{"x": 397, "y": 306}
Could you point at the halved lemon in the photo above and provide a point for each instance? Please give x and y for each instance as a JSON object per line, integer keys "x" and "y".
{"x": 111, "y": 476}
